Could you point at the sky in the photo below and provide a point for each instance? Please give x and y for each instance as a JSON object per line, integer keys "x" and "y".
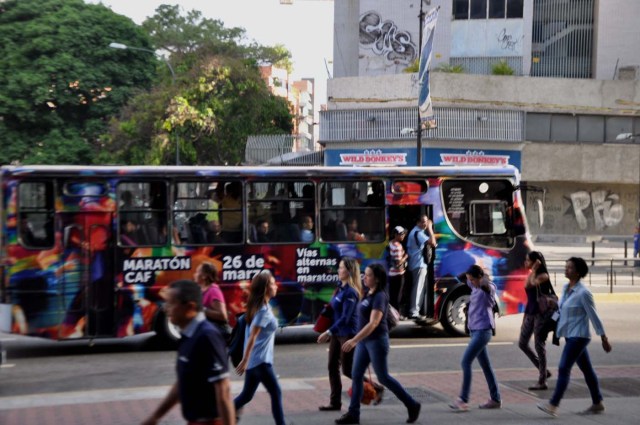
{"x": 304, "y": 27}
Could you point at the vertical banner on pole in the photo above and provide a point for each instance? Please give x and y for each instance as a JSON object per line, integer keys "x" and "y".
{"x": 427, "y": 119}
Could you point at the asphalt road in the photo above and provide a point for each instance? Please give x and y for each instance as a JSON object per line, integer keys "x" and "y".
{"x": 36, "y": 366}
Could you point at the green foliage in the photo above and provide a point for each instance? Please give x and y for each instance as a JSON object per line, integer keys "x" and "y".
{"x": 217, "y": 101}
{"x": 413, "y": 67}
{"x": 452, "y": 69}
{"x": 60, "y": 81}
{"x": 502, "y": 68}
{"x": 192, "y": 37}
{"x": 217, "y": 106}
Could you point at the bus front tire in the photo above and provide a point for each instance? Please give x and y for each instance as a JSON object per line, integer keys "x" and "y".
{"x": 453, "y": 315}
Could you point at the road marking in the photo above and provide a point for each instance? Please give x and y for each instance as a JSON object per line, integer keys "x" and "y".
{"x": 444, "y": 345}
{"x": 121, "y": 394}
{"x": 7, "y": 365}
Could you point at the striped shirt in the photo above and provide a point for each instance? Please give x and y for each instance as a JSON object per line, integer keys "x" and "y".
{"x": 576, "y": 309}
{"x": 396, "y": 252}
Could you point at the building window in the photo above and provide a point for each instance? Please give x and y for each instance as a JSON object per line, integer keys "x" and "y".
{"x": 483, "y": 9}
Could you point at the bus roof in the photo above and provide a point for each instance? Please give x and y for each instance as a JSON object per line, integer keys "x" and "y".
{"x": 263, "y": 172}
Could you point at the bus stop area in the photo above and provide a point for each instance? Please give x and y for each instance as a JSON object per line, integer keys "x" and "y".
{"x": 620, "y": 387}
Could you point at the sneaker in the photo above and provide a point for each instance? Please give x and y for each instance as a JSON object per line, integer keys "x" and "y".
{"x": 414, "y": 412}
{"x": 459, "y": 406}
{"x": 549, "y": 409}
{"x": 540, "y": 386}
{"x": 491, "y": 404}
{"x": 329, "y": 408}
{"x": 347, "y": 418}
{"x": 594, "y": 409}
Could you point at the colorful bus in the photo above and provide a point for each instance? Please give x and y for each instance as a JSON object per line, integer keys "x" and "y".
{"x": 86, "y": 251}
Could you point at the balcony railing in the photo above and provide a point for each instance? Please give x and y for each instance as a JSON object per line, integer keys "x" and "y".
{"x": 396, "y": 124}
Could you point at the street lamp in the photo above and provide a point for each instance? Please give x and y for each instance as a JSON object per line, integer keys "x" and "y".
{"x": 173, "y": 76}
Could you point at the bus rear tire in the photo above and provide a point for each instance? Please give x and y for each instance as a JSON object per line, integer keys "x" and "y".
{"x": 167, "y": 332}
{"x": 453, "y": 314}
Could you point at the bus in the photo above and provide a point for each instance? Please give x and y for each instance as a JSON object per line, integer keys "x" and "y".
{"x": 86, "y": 251}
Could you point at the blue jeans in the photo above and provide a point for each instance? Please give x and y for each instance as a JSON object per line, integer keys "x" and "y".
{"x": 263, "y": 373}
{"x": 374, "y": 351}
{"x": 575, "y": 351}
{"x": 478, "y": 348}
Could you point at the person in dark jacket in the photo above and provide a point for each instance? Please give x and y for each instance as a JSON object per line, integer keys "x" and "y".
{"x": 344, "y": 327}
{"x": 534, "y": 322}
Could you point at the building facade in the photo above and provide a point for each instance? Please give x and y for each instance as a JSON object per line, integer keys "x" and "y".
{"x": 561, "y": 131}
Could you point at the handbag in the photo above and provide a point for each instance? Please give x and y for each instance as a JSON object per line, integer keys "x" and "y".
{"x": 393, "y": 317}
{"x": 325, "y": 319}
{"x": 547, "y": 303}
{"x": 369, "y": 392}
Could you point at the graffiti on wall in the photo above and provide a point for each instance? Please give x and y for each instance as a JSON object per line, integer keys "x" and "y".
{"x": 385, "y": 39}
{"x": 508, "y": 41}
{"x": 602, "y": 206}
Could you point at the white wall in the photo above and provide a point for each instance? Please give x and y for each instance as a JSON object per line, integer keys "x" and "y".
{"x": 617, "y": 36}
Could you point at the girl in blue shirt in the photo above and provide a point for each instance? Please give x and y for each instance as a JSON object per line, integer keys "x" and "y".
{"x": 371, "y": 345}
{"x": 576, "y": 310}
{"x": 343, "y": 303}
{"x": 257, "y": 361}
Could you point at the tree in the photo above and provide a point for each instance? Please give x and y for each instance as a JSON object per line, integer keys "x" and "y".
{"x": 191, "y": 37}
{"x": 216, "y": 107}
{"x": 59, "y": 81}
{"x": 217, "y": 101}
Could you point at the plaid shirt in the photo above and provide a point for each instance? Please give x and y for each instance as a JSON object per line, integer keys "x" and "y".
{"x": 576, "y": 309}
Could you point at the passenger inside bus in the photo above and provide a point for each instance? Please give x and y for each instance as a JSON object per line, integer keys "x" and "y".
{"x": 353, "y": 234}
{"x": 214, "y": 232}
{"x": 263, "y": 233}
{"x": 231, "y": 214}
{"x": 306, "y": 232}
{"x": 129, "y": 233}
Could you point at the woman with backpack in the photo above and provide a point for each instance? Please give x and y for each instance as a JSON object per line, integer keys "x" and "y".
{"x": 371, "y": 345}
{"x": 260, "y": 334}
{"x": 534, "y": 321}
{"x": 481, "y": 325}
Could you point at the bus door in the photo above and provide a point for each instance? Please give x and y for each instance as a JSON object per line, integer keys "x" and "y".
{"x": 88, "y": 288}
{"x": 406, "y": 207}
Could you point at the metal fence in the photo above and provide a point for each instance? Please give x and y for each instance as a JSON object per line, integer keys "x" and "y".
{"x": 397, "y": 123}
{"x": 610, "y": 273}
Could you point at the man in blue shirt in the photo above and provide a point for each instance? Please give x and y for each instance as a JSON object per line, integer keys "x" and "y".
{"x": 415, "y": 245}
{"x": 203, "y": 386}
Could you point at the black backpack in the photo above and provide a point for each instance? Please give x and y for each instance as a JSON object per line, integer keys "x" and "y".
{"x": 236, "y": 346}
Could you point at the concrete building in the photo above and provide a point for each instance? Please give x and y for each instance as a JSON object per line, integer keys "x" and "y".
{"x": 560, "y": 131}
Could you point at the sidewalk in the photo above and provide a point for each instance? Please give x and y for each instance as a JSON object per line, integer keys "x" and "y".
{"x": 620, "y": 387}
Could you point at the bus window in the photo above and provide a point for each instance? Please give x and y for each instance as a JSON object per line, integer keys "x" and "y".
{"x": 35, "y": 214}
{"x": 281, "y": 211}
{"x": 142, "y": 213}
{"x": 199, "y": 211}
{"x": 353, "y": 211}
{"x": 488, "y": 218}
{"x": 477, "y": 210}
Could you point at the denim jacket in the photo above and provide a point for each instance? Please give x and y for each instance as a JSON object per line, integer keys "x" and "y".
{"x": 576, "y": 309}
